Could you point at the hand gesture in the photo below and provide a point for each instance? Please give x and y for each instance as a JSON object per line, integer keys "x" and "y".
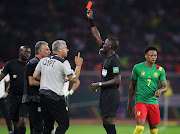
{"x": 89, "y": 14}
{"x": 158, "y": 93}
{"x": 94, "y": 86}
{"x": 78, "y": 60}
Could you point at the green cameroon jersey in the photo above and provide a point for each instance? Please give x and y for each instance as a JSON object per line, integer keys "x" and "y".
{"x": 147, "y": 82}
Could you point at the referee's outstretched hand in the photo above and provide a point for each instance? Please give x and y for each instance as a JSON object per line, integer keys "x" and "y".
{"x": 89, "y": 14}
{"x": 78, "y": 60}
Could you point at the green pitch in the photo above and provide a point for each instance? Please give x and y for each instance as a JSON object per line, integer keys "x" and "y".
{"x": 98, "y": 129}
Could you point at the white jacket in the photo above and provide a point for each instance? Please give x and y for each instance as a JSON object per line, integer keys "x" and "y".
{"x": 2, "y": 85}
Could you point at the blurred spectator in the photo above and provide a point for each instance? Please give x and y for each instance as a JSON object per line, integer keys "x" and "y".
{"x": 135, "y": 23}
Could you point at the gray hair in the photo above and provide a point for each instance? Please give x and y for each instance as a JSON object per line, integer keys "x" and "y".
{"x": 58, "y": 44}
{"x": 39, "y": 46}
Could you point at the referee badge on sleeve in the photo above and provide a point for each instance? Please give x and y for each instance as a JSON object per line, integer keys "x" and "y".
{"x": 115, "y": 69}
{"x": 104, "y": 72}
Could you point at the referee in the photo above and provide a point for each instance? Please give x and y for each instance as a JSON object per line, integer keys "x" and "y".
{"x": 31, "y": 99}
{"x": 15, "y": 69}
{"x": 110, "y": 77}
{"x": 51, "y": 72}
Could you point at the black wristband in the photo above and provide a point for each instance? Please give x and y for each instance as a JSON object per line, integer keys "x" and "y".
{"x": 91, "y": 22}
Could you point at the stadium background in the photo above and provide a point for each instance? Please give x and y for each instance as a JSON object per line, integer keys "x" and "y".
{"x": 135, "y": 23}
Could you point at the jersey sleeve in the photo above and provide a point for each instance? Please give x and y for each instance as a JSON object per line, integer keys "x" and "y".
{"x": 67, "y": 68}
{"x": 116, "y": 66}
{"x": 5, "y": 69}
{"x": 163, "y": 75}
{"x": 134, "y": 74}
{"x": 38, "y": 67}
{"x": 30, "y": 69}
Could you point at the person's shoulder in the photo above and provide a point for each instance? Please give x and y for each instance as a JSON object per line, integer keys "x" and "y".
{"x": 139, "y": 64}
{"x": 12, "y": 61}
{"x": 55, "y": 57}
{"x": 115, "y": 56}
{"x": 160, "y": 68}
{"x": 33, "y": 62}
{"x": 16, "y": 60}
{"x": 66, "y": 62}
{"x": 59, "y": 59}
{"x": 47, "y": 57}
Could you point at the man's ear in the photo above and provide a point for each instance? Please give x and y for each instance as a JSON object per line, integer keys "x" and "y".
{"x": 59, "y": 50}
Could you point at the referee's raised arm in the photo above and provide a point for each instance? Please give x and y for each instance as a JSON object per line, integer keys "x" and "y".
{"x": 94, "y": 29}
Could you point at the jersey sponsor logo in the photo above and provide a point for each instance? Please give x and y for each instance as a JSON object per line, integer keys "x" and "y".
{"x": 115, "y": 69}
{"x": 104, "y": 72}
{"x": 142, "y": 73}
{"x": 155, "y": 74}
{"x": 138, "y": 113}
{"x": 14, "y": 76}
{"x": 39, "y": 109}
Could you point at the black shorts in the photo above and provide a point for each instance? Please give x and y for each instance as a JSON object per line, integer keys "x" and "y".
{"x": 33, "y": 111}
{"x": 109, "y": 103}
{"x": 24, "y": 110}
{"x": 15, "y": 107}
{"x": 30, "y": 107}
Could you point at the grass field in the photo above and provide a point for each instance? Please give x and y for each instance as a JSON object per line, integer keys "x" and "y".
{"x": 98, "y": 129}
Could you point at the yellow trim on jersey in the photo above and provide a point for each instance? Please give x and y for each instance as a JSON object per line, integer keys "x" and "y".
{"x": 160, "y": 68}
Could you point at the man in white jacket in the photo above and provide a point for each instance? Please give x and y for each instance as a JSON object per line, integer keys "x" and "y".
{"x": 3, "y": 95}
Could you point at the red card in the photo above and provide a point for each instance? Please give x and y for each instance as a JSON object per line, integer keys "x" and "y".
{"x": 89, "y": 5}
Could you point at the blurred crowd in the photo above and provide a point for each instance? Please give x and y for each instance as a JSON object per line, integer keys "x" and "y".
{"x": 135, "y": 23}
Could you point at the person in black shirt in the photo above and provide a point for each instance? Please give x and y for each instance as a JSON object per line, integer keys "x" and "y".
{"x": 31, "y": 99}
{"x": 15, "y": 69}
{"x": 111, "y": 78}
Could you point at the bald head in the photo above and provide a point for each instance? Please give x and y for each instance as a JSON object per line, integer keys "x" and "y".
{"x": 113, "y": 43}
{"x": 22, "y": 48}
